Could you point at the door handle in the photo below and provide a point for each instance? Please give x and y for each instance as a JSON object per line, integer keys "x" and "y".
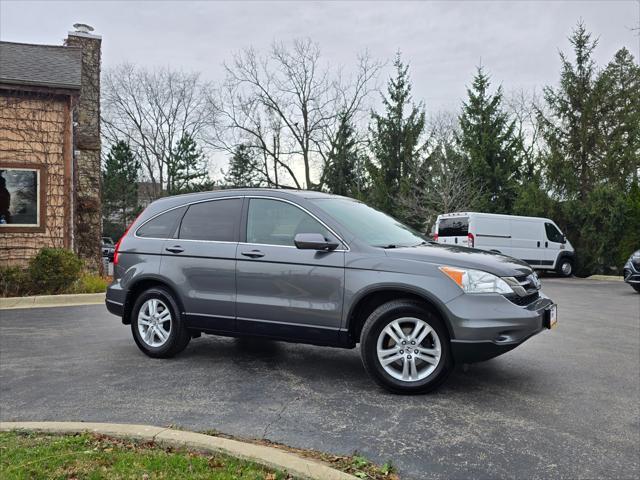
{"x": 546, "y": 244}
{"x": 538, "y": 244}
{"x": 253, "y": 254}
{"x": 175, "y": 249}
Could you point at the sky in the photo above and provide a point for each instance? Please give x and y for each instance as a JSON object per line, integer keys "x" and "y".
{"x": 517, "y": 42}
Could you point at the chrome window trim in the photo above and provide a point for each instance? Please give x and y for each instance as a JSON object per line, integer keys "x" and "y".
{"x": 135, "y": 234}
{"x": 305, "y": 211}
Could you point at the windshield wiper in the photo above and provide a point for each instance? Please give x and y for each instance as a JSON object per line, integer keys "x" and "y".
{"x": 391, "y": 245}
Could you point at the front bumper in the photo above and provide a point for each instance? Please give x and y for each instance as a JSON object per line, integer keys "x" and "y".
{"x": 631, "y": 276}
{"x": 485, "y": 326}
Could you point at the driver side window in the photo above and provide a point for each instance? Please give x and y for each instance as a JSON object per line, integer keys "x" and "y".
{"x": 272, "y": 222}
{"x": 553, "y": 234}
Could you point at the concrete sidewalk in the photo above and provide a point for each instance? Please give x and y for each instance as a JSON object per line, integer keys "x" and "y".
{"x": 264, "y": 455}
{"x": 39, "y": 301}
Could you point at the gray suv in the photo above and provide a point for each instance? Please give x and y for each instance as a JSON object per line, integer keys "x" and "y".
{"x": 321, "y": 269}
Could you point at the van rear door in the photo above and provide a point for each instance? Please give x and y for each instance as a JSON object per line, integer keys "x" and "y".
{"x": 453, "y": 231}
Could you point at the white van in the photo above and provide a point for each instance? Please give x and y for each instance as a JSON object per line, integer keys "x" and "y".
{"x": 537, "y": 241}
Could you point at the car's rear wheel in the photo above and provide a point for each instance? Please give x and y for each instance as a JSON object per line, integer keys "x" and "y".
{"x": 565, "y": 267}
{"x": 636, "y": 288}
{"x": 157, "y": 327}
{"x": 405, "y": 347}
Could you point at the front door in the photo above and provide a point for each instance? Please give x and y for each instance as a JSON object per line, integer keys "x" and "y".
{"x": 283, "y": 291}
{"x": 553, "y": 244}
{"x": 201, "y": 262}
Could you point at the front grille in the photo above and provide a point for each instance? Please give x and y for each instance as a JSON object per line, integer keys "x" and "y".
{"x": 523, "y": 301}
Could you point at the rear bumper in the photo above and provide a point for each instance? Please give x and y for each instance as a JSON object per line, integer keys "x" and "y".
{"x": 115, "y": 299}
{"x": 487, "y": 326}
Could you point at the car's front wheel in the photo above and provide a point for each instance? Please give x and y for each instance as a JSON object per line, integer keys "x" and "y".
{"x": 565, "y": 267}
{"x": 156, "y": 325}
{"x": 405, "y": 347}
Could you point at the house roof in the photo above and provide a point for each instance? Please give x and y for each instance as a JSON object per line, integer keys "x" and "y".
{"x": 40, "y": 65}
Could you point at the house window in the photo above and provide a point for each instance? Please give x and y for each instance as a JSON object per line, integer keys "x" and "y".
{"x": 22, "y": 191}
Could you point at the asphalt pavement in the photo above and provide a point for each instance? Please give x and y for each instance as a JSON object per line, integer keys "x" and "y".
{"x": 566, "y": 404}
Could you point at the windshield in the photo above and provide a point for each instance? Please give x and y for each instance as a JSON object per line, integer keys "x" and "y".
{"x": 368, "y": 224}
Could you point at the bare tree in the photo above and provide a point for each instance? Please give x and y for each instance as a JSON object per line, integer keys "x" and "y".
{"x": 286, "y": 106}
{"x": 442, "y": 183}
{"x": 152, "y": 111}
{"x": 524, "y": 107}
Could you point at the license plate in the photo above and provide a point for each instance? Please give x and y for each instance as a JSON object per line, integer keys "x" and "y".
{"x": 551, "y": 316}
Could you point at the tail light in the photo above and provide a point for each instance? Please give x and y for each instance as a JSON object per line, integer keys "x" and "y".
{"x": 470, "y": 239}
{"x": 117, "y": 247}
{"x": 435, "y": 237}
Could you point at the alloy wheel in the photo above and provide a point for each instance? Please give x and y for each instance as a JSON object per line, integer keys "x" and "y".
{"x": 409, "y": 349}
{"x": 154, "y": 322}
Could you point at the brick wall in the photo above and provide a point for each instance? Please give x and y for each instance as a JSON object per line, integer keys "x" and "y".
{"x": 35, "y": 131}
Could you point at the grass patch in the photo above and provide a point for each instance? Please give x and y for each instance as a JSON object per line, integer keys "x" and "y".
{"x": 40, "y": 455}
{"x": 354, "y": 464}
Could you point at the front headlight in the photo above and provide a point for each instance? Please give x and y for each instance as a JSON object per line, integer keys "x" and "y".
{"x": 476, "y": 281}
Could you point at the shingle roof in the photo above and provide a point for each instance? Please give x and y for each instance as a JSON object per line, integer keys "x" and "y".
{"x": 40, "y": 65}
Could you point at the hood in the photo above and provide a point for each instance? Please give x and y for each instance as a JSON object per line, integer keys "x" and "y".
{"x": 463, "y": 257}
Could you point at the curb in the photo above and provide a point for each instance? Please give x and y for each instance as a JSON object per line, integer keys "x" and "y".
{"x": 40, "y": 301}
{"x": 608, "y": 278}
{"x": 267, "y": 456}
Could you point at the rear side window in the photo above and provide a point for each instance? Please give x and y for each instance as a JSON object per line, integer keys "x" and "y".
{"x": 453, "y": 227}
{"x": 553, "y": 234}
{"x": 217, "y": 221}
{"x": 162, "y": 226}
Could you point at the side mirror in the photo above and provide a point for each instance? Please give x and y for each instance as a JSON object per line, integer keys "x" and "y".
{"x": 564, "y": 238}
{"x": 314, "y": 241}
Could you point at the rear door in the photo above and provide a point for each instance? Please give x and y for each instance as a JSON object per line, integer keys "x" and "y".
{"x": 200, "y": 261}
{"x": 453, "y": 231}
{"x": 284, "y": 291}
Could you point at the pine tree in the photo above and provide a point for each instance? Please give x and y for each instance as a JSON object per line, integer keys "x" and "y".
{"x": 119, "y": 186}
{"x": 187, "y": 170}
{"x": 343, "y": 175}
{"x": 396, "y": 143}
{"x": 242, "y": 171}
{"x": 573, "y": 130}
{"x": 488, "y": 140}
{"x": 620, "y": 86}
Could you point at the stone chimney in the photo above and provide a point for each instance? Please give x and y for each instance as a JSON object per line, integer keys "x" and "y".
{"x": 87, "y": 210}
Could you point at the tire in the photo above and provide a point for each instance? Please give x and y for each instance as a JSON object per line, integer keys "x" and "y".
{"x": 565, "y": 267}
{"x": 636, "y": 288}
{"x": 155, "y": 346}
{"x": 410, "y": 313}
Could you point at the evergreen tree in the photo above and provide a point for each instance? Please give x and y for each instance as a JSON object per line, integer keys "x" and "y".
{"x": 620, "y": 84}
{"x": 120, "y": 186}
{"x": 395, "y": 143}
{"x": 573, "y": 130}
{"x": 488, "y": 140}
{"x": 187, "y": 171}
{"x": 242, "y": 171}
{"x": 343, "y": 175}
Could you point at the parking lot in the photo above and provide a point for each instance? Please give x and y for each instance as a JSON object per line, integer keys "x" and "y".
{"x": 566, "y": 404}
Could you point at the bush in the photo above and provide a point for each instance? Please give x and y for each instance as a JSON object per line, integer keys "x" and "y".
{"x": 54, "y": 270}
{"x": 14, "y": 282}
{"x": 89, "y": 283}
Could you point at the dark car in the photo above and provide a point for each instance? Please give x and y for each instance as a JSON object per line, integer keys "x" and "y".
{"x": 321, "y": 269}
{"x": 632, "y": 271}
{"x": 108, "y": 248}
